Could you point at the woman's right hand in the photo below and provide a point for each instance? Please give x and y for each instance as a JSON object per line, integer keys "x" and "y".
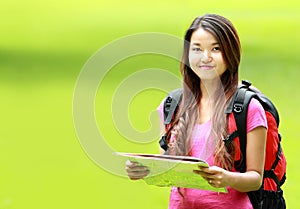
{"x": 136, "y": 171}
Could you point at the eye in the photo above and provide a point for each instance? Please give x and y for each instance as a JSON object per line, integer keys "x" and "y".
{"x": 217, "y": 48}
{"x": 196, "y": 49}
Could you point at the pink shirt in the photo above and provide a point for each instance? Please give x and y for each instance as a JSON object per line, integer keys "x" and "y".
{"x": 202, "y": 147}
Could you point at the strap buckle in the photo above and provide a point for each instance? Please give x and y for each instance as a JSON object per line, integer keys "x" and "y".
{"x": 238, "y": 108}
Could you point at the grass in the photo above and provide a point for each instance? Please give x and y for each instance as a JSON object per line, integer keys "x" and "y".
{"x": 43, "y": 48}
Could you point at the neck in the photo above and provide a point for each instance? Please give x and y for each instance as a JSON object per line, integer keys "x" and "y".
{"x": 205, "y": 107}
{"x": 208, "y": 101}
{"x": 208, "y": 89}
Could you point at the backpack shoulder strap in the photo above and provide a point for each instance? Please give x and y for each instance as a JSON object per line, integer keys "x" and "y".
{"x": 171, "y": 104}
{"x": 239, "y": 107}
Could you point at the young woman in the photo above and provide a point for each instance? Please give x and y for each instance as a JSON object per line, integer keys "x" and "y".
{"x": 209, "y": 68}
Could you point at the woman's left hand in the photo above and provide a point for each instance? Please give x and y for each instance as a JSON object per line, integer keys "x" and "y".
{"x": 215, "y": 176}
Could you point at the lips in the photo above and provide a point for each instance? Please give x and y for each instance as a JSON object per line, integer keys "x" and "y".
{"x": 206, "y": 67}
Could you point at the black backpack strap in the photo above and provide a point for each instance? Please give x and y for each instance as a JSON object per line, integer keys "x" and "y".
{"x": 230, "y": 137}
{"x": 170, "y": 106}
{"x": 163, "y": 142}
{"x": 240, "y": 104}
{"x": 240, "y": 107}
{"x": 271, "y": 174}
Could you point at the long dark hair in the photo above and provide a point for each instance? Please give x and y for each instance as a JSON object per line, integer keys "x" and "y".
{"x": 224, "y": 32}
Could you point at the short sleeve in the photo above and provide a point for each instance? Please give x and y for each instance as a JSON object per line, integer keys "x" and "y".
{"x": 256, "y": 116}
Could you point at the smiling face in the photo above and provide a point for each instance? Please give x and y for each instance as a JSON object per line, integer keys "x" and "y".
{"x": 205, "y": 56}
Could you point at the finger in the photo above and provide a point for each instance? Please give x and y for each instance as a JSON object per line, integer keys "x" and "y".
{"x": 134, "y": 175}
{"x": 202, "y": 173}
{"x": 202, "y": 167}
{"x": 137, "y": 169}
{"x": 205, "y": 176}
{"x": 208, "y": 178}
{"x": 211, "y": 170}
{"x": 197, "y": 172}
{"x": 215, "y": 183}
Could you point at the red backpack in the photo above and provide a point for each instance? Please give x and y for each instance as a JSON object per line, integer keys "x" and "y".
{"x": 270, "y": 195}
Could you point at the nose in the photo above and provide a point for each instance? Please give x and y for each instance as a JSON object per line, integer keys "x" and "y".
{"x": 206, "y": 56}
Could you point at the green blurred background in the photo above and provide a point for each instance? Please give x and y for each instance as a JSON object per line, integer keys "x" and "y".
{"x": 43, "y": 47}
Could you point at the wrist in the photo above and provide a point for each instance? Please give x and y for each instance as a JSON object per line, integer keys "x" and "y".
{"x": 230, "y": 179}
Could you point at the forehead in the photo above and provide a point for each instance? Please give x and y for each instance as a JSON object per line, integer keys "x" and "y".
{"x": 203, "y": 37}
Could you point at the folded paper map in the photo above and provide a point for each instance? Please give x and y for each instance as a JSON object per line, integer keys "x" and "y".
{"x": 166, "y": 170}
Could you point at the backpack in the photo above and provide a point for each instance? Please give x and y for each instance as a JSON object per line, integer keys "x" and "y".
{"x": 270, "y": 195}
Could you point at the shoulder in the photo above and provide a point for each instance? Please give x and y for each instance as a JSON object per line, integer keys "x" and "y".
{"x": 254, "y": 106}
{"x": 160, "y": 109}
{"x": 173, "y": 99}
{"x": 256, "y": 115}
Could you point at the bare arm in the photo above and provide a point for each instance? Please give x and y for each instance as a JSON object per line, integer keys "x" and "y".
{"x": 251, "y": 180}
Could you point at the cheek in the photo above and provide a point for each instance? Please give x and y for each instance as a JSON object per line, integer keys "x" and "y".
{"x": 219, "y": 59}
{"x": 193, "y": 59}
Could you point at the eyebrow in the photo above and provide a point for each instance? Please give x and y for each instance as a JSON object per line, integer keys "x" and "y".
{"x": 198, "y": 44}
